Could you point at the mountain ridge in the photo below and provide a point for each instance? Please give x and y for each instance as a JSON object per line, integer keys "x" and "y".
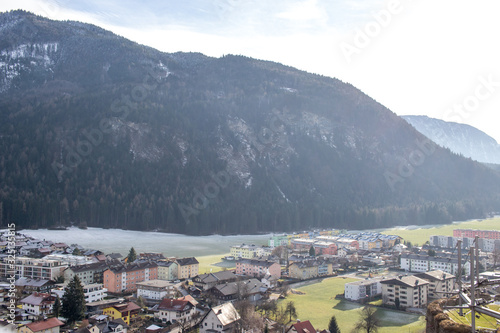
{"x": 106, "y": 132}
{"x": 460, "y": 138}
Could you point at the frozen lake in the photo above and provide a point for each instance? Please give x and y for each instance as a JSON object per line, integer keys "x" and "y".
{"x": 116, "y": 240}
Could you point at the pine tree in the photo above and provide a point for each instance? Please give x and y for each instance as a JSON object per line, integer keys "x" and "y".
{"x": 131, "y": 255}
{"x": 73, "y": 301}
{"x": 312, "y": 251}
{"x": 56, "y": 309}
{"x": 333, "y": 327}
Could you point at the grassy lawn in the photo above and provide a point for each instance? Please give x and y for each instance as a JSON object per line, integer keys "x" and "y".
{"x": 421, "y": 235}
{"x": 483, "y": 320}
{"x": 213, "y": 263}
{"x": 318, "y": 304}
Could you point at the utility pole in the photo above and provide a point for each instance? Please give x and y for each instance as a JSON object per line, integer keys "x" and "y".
{"x": 467, "y": 297}
{"x": 459, "y": 245}
{"x": 472, "y": 304}
{"x": 477, "y": 258}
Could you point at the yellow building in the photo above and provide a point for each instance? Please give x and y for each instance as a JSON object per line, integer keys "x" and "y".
{"x": 303, "y": 270}
{"x": 187, "y": 267}
{"x": 246, "y": 251}
{"x": 125, "y": 311}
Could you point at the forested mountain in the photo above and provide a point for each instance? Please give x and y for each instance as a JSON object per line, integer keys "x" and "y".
{"x": 102, "y": 131}
{"x": 459, "y": 138}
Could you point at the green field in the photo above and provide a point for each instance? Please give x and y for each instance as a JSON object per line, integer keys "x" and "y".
{"x": 421, "y": 235}
{"x": 213, "y": 263}
{"x": 483, "y": 321}
{"x": 318, "y": 304}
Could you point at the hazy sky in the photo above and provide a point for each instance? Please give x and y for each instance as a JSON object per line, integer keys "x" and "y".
{"x": 436, "y": 58}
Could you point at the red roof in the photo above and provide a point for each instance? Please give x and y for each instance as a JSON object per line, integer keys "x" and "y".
{"x": 126, "y": 307}
{"x": 169, "y": 304}
{"x": 303, "y": 327}
{"x": 44, "y": 324}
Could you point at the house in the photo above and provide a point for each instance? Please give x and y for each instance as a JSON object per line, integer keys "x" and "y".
{"x": 208, "y": 281}
{"x": 309, "y": 269}
{"x": 246, "y": 251}
{"x": 187, "y": 267}
{"x": 362, "y": 289}
{"x": 93, "y": 292}
{"x": 87, "y": 273}
{"x": 59, "y": 247}
{"x": 153, "y": 256}
{"x": 121, "y": 278}
{"x": 156, "y": 289}
{"x": 303, "y": 270}
{"x": 102, "y": 324}
{"x": 251, "y": 290}
{"x": 173, "y": 310}
{"x": 441, "y": 284}
{"x": 219, "y": 319}
{"x": 124, "y": 311}
{"x": 105, "y": 326}
{"x": 258, "y": 268}
{"x": 31, "y": 285}
{"x": 50, "y": 325}
{"x": 167, "y": 270}
{"x": 325, "y": 248}
{"x": 38, "y": 304}
{"x": 405, "y": 292}
{"x": 301, "y": 327}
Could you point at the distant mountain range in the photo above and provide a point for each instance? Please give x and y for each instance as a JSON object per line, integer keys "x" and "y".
{"x": 101, "y": 131}
{"x": 459, "y": 138}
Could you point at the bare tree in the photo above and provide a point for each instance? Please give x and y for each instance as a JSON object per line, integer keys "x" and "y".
{"x": 250, "y": 319}
{"x": 291, "y": 311}
{"x": 496, "y": 256}
{"x": 368, "y": 322}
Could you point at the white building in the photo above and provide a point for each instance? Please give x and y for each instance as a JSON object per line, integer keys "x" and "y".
{"x": 173, "y": 310}
{"x": 69, "y": 259}
{"x": 33, "y": 268}
{"x": 220, "y": 319}
{"x": 441, "y": 284}
{"x": 38, "y": 304}
{"x": 405, "y": 292}
{"x": 93, "y": 292}
{"x": 423, "y": 263}
{"x": 362, "y": 289}
{"x": 156, "y": 289}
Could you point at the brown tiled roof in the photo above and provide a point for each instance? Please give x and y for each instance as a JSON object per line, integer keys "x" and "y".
{"x": 169, "y": 304}
{"x": 44, "y": 324}
{"x": 302, "y": 327}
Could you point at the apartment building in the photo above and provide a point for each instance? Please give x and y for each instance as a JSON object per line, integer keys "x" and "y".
{"x": 405, "y": 292}
{"x": 32, "y": 268}
{"x": 123, "y": 278}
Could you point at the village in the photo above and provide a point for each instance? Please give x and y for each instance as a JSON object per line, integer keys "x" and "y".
{"x": 248, "y": 291}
